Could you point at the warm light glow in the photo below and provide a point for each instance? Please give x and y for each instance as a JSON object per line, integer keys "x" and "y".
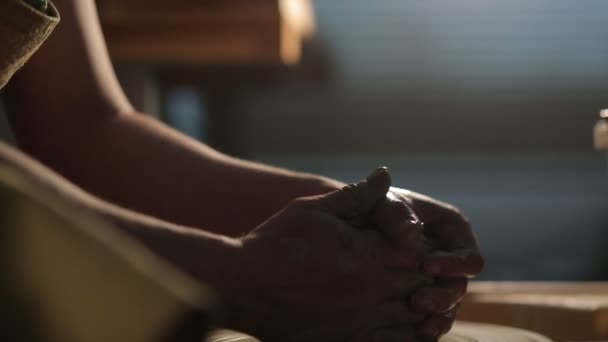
{"x": 299, "y": 14}
{"x": 298, "y": 24}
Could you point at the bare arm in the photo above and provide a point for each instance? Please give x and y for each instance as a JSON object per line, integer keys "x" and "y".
{"x": 201, "y": 254}
{"x": 82, "y": 125}
{"x": 354, "y": 300}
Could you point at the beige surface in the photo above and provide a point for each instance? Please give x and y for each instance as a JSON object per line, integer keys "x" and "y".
{"x": 475, "y": 332}
{"x": 492, "y": 287}
{"x": 462, "y": 332}
{"x": 564, "y": 311}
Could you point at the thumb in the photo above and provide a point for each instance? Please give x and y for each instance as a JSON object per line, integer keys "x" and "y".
{"x": 359, "y": 198}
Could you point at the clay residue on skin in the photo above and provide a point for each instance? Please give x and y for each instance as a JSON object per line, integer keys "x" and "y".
{"x": 462, "y": 255}
{"x": 343, "y": 259}
{"x": 346, "y": 239}
{"x": 414, "y": 282}
{"x": 361, "y": 244}
{"x": 346, "y": 264}
{"x": 301, "y": 248}
{"x": 353, "y": 242}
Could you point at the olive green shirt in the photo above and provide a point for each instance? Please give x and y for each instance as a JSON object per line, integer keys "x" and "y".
{"x": 22, "y": 31}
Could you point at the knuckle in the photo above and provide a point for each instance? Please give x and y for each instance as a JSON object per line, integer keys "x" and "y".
{"x": 350, "y": 189}
{"x": 352, "y": 196}
{"x": 353, "y": 190}
{"x": 399, "y": 207}
{"x": 456, "y": 213}
{"x": 300, "y": 202}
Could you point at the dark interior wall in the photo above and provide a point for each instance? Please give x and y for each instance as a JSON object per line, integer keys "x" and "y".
{"x": 421, "y": 76}
{"x": 367, "y": 122}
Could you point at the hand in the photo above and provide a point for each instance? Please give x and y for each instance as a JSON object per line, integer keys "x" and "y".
{"x": 457, "y": 257}
{"x": 310, "y": 275}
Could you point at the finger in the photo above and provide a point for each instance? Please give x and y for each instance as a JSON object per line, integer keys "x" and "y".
{"x": 450, "y": 231}
{"x": 356, "y": 199}
{"x": 437, "y": 326}
{"x": 370, "y": 244}
{"x": 457, "y": 264}
{"x": 392, "y": 313}
{"x": 406, "y": 283}
{"x": 439, "y": 298}
{"x": 456, "y": 234}
{"x": 402, "y": 334}
{"x": 429, "y": 209}
{"x": 400, "y": 261}
{"x": 444, "y": 222}
{"x": 398, "y": 222}
{"x": 393, "y": 286}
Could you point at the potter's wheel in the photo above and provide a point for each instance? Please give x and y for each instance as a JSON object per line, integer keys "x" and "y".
{"x": 462, "y": 332}
{"x": 476, "y": 332}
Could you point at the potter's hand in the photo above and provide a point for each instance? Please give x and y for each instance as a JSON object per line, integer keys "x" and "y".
{"x": 456, "y": 258}
{"x": 311, "y": 276}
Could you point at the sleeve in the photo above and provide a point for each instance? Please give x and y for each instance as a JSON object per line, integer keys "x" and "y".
{"x": 22, "y": 31}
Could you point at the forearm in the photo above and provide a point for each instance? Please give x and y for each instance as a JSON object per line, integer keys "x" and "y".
{"x": 141, "y": 164}
{"x": 83, "y": 127}
{"x": 203, "y": 255}
{"x": 169, "y": 175}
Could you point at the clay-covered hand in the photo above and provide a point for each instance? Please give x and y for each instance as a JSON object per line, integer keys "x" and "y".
{"x": 310, "y": 275}
{"x": 456, "y": 257}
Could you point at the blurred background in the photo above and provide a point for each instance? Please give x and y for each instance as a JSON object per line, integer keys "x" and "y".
{"x": 488, "y": 105}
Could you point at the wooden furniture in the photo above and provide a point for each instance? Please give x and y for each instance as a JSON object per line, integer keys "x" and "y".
{"x": 218, "y": 47}
{"x": 206, "y": 31}
{"x": 562, "y": 311}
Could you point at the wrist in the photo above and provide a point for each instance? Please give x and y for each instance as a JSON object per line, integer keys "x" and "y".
{"x": 204, "y": 256}
{"x": 220, "y": 261}
{"x": 237, "y": 279}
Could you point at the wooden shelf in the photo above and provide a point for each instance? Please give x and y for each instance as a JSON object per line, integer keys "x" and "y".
{"x": 206, "y": 31}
